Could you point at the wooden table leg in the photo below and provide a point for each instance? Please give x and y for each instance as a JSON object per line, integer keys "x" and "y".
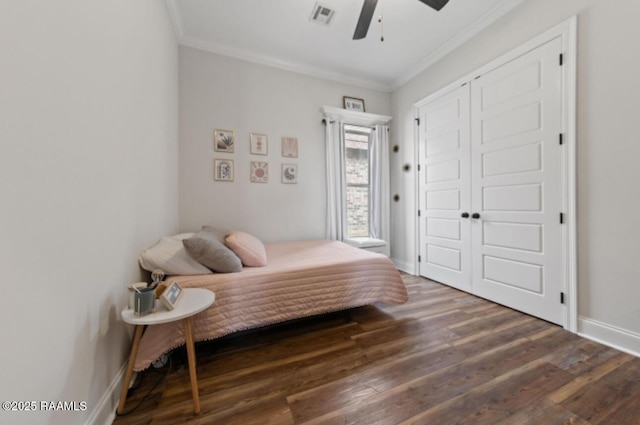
{"x": 191, "y": 355}
{"x": 132, "y": 360}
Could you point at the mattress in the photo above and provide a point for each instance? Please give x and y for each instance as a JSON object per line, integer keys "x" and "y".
{"x": 302, "y": 278}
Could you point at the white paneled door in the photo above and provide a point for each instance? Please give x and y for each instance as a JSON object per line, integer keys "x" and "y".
{"x": 445, "y": 172}
{"x": 517, "y": 183}
{"x": 507, "y": 176}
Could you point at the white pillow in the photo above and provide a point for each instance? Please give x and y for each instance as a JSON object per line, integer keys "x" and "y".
{"x": 169, "y": 255}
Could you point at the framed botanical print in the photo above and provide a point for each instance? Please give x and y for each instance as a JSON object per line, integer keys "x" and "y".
{"x": 289, "y": 173}
{"x": 259, "y": 172}
{"x": 289, "y": 147}
{"x": 223, "y": 170}
{"x": 224, "y": 140}
{"x": 259, "y": 144}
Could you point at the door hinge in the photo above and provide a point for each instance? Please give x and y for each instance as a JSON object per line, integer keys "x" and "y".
{"x": 418, "y": 167}
{"x": 561, "y": 297}
{"x": 561, "y": 218}
{"x": 419, "y": 258}
{"x": 561, "y": 59}
{"x": 418, "y": 121}
{"x": 560, "y": 139}
{"x": 419, "y": 213}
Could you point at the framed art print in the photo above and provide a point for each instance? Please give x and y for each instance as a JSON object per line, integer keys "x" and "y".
{"x": 289, "y": 147}
{"x": 353, "y": 103}
{"x": 259, "y": 144}
{"x": 224, "y": 140}
{"x": 259, "y": 172}
{"x": 289, "y": 173}
{"x": 223, "y": 170}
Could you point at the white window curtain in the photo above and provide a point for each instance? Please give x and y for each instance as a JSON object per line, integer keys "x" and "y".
{"x": 336, "y": 208}
{"x": 379, "y": 218}
{"x": 379, "y": 208}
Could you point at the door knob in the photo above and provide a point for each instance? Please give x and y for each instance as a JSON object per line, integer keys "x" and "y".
{"x": 475, "y": 215}
{"x": 464, "y": 215}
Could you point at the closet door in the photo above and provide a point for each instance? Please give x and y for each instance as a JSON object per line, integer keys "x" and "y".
{"x": 517, "y": 183}
{"x": 444, "y": 189}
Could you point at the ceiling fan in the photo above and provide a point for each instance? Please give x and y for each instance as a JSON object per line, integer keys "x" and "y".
{"x": 369, "y": 7}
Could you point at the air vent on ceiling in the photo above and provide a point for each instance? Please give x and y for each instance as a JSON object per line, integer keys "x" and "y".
{"x": 322, "y": 14}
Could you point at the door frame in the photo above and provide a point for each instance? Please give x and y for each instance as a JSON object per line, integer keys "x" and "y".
{"x": 567, "y": 32}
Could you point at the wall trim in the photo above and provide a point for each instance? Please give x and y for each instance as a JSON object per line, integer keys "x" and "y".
{"x": 612, "y": 336}
{"x": 480, "y": 24}
{"x": 105, "y": 411}
{"x": 404, "y": 266}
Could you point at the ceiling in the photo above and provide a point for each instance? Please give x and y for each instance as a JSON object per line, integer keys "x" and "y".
{"x": 280, "y": 33}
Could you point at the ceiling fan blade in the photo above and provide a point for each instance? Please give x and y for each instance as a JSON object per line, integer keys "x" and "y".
{"x": 435, "y": 4}
{"x": 366, "y": 14}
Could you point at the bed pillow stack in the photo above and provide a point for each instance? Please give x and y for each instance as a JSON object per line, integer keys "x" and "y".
{"x": 200, "y": 253}
{"x": 208, "y": 248}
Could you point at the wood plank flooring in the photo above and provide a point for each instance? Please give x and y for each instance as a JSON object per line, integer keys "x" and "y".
{"x": 445, "y": 357}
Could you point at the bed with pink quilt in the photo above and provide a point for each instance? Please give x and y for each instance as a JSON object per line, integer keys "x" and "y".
{"x": 301, "y": 279}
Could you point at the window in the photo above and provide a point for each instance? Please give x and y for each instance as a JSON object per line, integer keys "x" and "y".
{"x": 358, "y": 182}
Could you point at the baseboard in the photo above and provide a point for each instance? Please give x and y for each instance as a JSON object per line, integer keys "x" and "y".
{"x": 105, "y": 411}
{"x": 404, "y": 266}
{"x": 620, "y": 339}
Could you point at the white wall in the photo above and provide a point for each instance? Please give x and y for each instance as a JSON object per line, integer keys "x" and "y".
{"x": 88, "y": 178}
{"x": 607, "y": 149}
{"x": 221, "y": 92}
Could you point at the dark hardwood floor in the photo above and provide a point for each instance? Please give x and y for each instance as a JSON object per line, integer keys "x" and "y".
{"x": 445, "y": 357}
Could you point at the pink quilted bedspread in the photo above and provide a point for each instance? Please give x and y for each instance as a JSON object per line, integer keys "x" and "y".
{"x": 301, "y": 279}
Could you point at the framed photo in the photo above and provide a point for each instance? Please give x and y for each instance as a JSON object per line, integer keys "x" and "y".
{"x": 171, "y": 295}
{"x": 259, "y": 172}
{"x": 259, "y": 144}
{"x": 223, "y": 170}
{"x": 289, "y": 147}
{"x": 353, "y": 103}
{"x": 224, "y": 140}
{"x": 289, "y": 173}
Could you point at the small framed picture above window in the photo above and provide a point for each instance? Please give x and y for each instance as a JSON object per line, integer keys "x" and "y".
{"x": 353, "y": 103}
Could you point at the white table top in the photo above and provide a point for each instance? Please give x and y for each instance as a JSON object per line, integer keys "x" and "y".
{"x": 192, "y": 301}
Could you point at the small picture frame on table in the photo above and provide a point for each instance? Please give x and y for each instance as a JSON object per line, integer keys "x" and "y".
{"x": 353, "y": 103}
{"x": 171, "y": 295}
{"x": 259, "y": 144}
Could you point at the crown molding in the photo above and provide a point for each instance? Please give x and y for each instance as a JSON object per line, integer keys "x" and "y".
{"x": 312, "y": 71}
{"x": 481, "y": 23}
{"x": 176, "y": 19}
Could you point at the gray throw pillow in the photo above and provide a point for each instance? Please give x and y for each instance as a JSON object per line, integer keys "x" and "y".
{"x": 207, "y": 248}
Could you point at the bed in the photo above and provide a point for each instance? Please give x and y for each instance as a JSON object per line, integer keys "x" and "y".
{"x": 301, "y": 279}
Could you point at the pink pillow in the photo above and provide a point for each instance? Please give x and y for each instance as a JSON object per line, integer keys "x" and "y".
{"x": 249, "y": 248}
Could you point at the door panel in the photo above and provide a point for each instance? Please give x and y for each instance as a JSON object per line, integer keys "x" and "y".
{"x": 444, "y": 189}
{"x": 517, "y": 176}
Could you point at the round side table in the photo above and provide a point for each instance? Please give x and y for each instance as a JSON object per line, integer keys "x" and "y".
{"x": 192, "y": 302}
